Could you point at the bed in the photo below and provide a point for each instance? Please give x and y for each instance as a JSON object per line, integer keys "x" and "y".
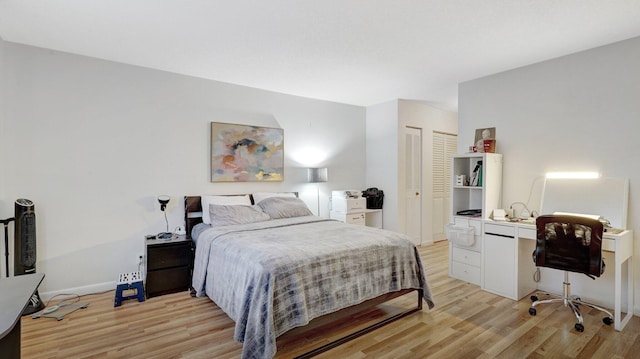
{"x": 272, "y": 266}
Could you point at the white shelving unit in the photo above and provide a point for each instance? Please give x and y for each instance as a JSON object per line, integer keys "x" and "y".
{"x": 485, "y": 197}
{"x": 465, "y": 260}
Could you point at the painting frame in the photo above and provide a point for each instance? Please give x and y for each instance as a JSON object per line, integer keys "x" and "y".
{"x": 246, "y": 153}
{"x": 485, "y": 140}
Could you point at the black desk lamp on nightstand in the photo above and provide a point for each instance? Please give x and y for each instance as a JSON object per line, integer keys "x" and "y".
{"x": 164, "y": 200}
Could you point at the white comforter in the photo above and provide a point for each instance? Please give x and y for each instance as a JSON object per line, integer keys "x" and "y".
{"x": 272, "y": 276}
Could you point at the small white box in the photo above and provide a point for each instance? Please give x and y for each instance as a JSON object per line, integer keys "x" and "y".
{"x": 347, "y": 205}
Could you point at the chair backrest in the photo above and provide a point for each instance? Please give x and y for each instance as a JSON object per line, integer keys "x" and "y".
{"x": 570, "y": 243}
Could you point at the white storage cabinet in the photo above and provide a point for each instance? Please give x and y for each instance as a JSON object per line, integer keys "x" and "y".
{"x": 465, "y": 257}
{"x": 464, "y": 251}
{"x": 508, "y": 265}
{"x": 353, "y": 210}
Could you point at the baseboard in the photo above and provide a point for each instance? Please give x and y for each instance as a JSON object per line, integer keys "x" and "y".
{"x": 89, "y": 289}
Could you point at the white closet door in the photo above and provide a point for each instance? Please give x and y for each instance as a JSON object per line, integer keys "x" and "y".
{"x": 444, "y": 147}
{"x": 413, "y": 184}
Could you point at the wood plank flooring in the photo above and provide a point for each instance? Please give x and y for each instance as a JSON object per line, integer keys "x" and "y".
{"x": 466, "y": 323}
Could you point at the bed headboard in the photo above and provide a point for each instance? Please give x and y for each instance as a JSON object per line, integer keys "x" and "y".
{"x": 193, "y": 211}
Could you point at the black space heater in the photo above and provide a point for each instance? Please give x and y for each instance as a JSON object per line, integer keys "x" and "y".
{"x": 24, "y": 259}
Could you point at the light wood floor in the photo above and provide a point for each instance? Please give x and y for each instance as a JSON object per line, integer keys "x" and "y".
{"x": 466, "y": 323}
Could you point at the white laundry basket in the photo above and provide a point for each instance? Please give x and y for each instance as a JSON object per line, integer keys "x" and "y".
{"x": 460, "y": 236}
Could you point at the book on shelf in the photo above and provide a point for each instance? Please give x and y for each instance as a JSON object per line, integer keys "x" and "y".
{"x": 476, "y": 176}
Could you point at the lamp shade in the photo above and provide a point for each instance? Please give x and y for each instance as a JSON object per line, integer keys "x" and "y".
{"x": 318, "y": 175}
{"x": 163, "y": 200}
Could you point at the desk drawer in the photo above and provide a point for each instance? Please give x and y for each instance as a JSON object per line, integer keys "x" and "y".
{"x": 466, "y": 256}
{"x": 528, "y": 233}
{"x": 608, "y": 244}
{"x": 509, "y": 231}
{"x": 465, "y": 272}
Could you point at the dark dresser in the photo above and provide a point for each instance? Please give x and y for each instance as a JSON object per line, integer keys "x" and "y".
{"x": 169, "y": 265}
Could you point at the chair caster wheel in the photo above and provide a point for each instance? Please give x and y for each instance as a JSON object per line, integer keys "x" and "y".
{"x": 579, "y": 327}
{"x": 532, "y": 311}
{"x": 607, "y": 320}
{"x": 534, "y": 298}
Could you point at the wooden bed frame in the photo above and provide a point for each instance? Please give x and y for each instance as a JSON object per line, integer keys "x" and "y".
{"x": 193, "y": 216}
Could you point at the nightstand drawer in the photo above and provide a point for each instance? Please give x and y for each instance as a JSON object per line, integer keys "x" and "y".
{"x": 168, "y": 256}
{"x": 165, "y": 281}
{"x": 355, "y": 218}
{"x": 351, "y": 218}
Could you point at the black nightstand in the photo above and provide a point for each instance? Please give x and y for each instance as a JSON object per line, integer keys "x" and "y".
{"x": 169, "y": 265}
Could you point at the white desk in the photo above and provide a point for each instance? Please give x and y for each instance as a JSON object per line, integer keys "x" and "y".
{"x": 507, "y": 264}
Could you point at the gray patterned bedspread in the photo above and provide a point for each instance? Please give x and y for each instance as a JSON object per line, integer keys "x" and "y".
{"x": 272, "y": 276}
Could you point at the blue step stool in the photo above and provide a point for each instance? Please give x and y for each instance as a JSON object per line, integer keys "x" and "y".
{"x": 128, "y": 281}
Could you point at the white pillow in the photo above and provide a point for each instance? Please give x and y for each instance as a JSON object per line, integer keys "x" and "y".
{"x": 228, "y": 215}
{"x": 244, "y": 200}
{"x": 259, "y": 196}
{"x": 284, "y": 207}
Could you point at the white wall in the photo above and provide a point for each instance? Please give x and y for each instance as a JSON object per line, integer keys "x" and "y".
{"x": 386, "y": 153}
{"x": 430, "y": 119}
{"x": 93, "y": 143}
{"x": 578, "y": 112}
{"x": 382, "y": 157}
{"x": 2, "y": 131}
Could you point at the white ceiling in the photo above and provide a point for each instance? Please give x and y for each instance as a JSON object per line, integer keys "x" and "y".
{"x": 360, "y": 52}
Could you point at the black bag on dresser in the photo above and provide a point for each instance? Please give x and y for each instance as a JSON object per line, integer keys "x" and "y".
{"x": 374, "y": 197}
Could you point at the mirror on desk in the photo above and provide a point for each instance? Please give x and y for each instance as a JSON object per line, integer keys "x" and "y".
{"x": 605, "y": 197}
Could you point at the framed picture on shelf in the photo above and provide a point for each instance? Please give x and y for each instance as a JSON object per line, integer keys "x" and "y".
{"x": 485, "y": 140}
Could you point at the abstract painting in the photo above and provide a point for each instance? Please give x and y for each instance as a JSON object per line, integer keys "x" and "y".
{"x": 241, "y": 153}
